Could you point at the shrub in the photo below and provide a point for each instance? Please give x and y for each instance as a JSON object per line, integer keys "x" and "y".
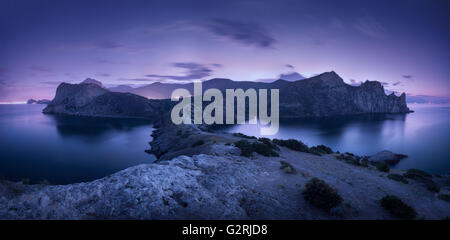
{"x": 422, "y": 177}
{"x": 292, "y": 144}
{"x": 315, "y": 151}
{"x": 416, "y": 173}
{"x": 324, "y": 149}
{"x": 349, "y": 159}
{"x": 268, "y": 142}
{"x": 287, "y": 167}
{"x": 264, "y": 149}
{"x": 397, "y": 208}
{"x": 245, "y": 146}
{"x": 398, "y": 178}
{"x": 198, "y": 143}
{"x": 241, "y": 135}
{"x": 444, "y": 197}
{"x": 321, "y": 195}
{"x": 381, "y": 166}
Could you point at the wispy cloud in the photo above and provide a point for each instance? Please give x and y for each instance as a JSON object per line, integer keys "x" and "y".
{"x": 107, "y": 45}
{"x": 289, "y": 66}
{"x": 370, "y": 27}
{"x": 37, "y": 68}
{"x": 396, "y": 83}
{"x": 244, "y": 33}
{"x": 407, "y": 76}
{"x": 103, "y": 74}
{"x": 192, "y": 71}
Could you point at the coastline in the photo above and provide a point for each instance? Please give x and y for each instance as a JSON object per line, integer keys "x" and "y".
{"x": 213, "y": 181}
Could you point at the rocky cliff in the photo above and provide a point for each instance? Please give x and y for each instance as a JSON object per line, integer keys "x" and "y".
{"x": 90, "y": 99}
{"x": 320, "y": 96}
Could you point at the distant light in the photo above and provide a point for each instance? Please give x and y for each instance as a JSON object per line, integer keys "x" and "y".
{"x": 16, "y": 102}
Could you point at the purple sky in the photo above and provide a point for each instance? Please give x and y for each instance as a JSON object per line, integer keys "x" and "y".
{"x": 404, "y": 44}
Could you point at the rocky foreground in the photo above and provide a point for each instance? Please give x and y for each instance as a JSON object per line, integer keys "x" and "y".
{"x": 220, "y": 183}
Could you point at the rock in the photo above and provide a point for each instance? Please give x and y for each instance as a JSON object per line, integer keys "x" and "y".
{"x": 319, "y": 96}
{"x": 387, "y": 157}
{"x": 88, "y": 99}
{"x": 92, "y": 81}
{"x": 31, "y": 101}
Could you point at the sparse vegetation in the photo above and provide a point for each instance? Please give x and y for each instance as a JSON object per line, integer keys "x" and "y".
{"x": 241, "y": 135}
{"x": 287, "y": 168}
{"x": 350, "y": 159}
{"x": 397, "y": 208}
{"x": 444, "y": 197}
{"x": 381, "y": 166}
{"x": 423, "y": 177}
{"x": 320, "y": 194}
{"x": 416, "y": 173}
{"x": 398, "y": 178}
{"x": 323, "y": 149}
{"x": 263, "y": 148}
{"x": 292, "y": 144}
{"x": 198, "y": 143}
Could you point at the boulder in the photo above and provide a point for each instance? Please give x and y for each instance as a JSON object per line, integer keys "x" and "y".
{"x": 387, "y": 157}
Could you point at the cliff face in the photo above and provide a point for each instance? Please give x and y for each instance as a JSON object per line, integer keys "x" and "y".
{"x": 328, "y": 95}
{"x": 320, "y": 96}
{"x": 88, "y": 99}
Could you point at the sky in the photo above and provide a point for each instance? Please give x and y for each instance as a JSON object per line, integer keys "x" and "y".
{"x": 403, "y": 44}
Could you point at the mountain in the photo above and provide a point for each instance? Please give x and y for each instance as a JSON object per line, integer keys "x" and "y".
{"x": 89, "y": 99}
{"x": 320, "y": 96}
{"x": 323, "y": 95}
{"x": 42, "y": 101}
{"x": 121, "y": 88}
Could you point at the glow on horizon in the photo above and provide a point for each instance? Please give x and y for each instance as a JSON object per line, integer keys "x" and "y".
{"x": 14, "y": 102}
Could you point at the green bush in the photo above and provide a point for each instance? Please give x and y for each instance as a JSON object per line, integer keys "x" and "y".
{"x": 292, "y": 144}
{"x": 416, "y": 173}
{"x": 319, "y": 194}
{"x": 398, "y": 178}
{"x": 247, "y": 148}
{"x": 397, "y": 208}
{"x": 348, "y": 159}
{"x": 381, "y": 166}
{"x": 198, "y": 143}
{"x": 287, "y": 167}
{"x": 423, "y": 177}
{"x": 264, "y": 149}
{"x": 241, "y": 135}
{"x": 324, "y": 149}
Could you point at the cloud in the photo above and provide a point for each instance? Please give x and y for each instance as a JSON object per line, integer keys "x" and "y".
{"x": 396, "y": 83}
{"x": 103, "y": 74}
{"x": 192, "y": 71}
{"x": 407, "y": 76}
{"x": 244, "y": 33}
{"x": 105, "y": 61}
{"x": 289, "y": 66}
{"x": 384, "y": 83}
{"x": 355, "y": 83}
{"x": 137, "y": 79}
{"x": 107, "y": 45}
{"x": 39, "y": 68}
{"x": 370, "y": 27}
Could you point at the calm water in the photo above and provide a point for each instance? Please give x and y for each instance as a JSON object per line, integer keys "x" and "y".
{"x": 67, "y": 149}
{"x": 423, "y": 135}
{"x": 73, "y": 149}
